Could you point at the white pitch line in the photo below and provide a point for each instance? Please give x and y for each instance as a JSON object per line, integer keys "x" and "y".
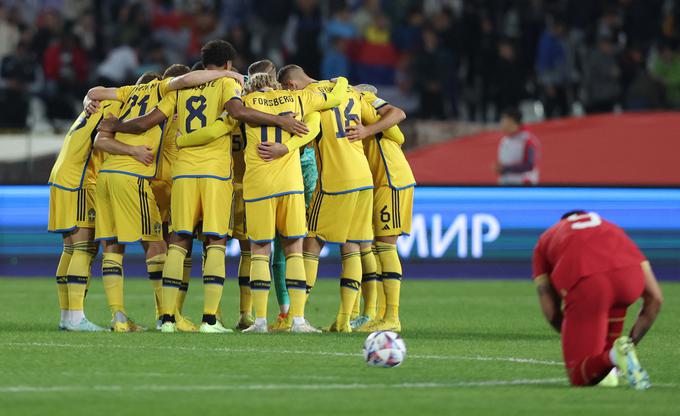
{"x": 332, "y": 386}
{"x": 290, "y": 352}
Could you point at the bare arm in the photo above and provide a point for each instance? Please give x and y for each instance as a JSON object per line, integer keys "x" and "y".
{"x": 269, "y": 151}
{"x": 195, "y": 78}
{"x": 652, "y": 299}
{"x": 136, "y": 125}
{"x": 550, "y": 301}
{"x": 240, "y": 112}
{"x": 389, "y": 116}
{"x": 106, "y": 143}
{"x": 102, "y": 93}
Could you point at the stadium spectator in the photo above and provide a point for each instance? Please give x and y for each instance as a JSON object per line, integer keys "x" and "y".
{"x": 553, "y": 70}
{"x": 667, "y": 68}
{"x": 66, "y": 70}
{"x": 9, "y": 33}
{"x": 380, "y": 42}
{"x": 642, "y": 90}
{"x": 518, "y": 151}
{"x": 602, "y": 77}
{"x": 301, "y": 34}
{"x": 433, "y": 74}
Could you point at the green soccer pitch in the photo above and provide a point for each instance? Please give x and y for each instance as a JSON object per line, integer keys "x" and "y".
{"x": 474, "y": 348}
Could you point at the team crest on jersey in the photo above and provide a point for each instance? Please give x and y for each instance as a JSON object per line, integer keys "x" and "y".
{"x": 157, "y": 228}
{"x": 91, "y": 214}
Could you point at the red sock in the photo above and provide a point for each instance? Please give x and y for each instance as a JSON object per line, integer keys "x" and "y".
{"x": 591, "y": 370}
{"x": 617, "y": 318}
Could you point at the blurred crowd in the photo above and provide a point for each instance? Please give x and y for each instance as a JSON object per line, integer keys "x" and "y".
{"x": 441, "y": 59}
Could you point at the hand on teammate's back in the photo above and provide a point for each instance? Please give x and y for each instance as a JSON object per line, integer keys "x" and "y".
{"x": 90, "y": 106}
{"x": 293, "y": 126}
{"x": 356, "y": 132}
{"x": 269, "y": 151}
{"x": 143, "y": 154}
{"x": 109, "y": 124}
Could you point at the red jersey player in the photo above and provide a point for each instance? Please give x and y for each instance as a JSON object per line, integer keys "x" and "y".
{"x": 595, "y": 271}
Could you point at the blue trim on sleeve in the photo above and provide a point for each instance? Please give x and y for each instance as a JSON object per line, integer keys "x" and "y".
{"x": 382, "y": 105}
{"x": 273, "y": 196}
{"x": 63, "y": 188}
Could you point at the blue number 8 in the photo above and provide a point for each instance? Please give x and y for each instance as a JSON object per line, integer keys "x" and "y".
{"x": 195, "y": 112}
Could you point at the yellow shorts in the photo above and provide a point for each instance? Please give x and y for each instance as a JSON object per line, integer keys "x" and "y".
{"x": 70, "y": 210}
{"x": 392, "y": 211}
{"x": 161, "y": 190}
{"x": 127, "y": 209}
{"x": 285, "y": 214}
{"x": 238, "y": 212}
{"x": 206, "y": 200}
{"x": 341, "y": 218}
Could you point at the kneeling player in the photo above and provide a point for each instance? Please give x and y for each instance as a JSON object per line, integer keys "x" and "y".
{"x": 592, "y": 268}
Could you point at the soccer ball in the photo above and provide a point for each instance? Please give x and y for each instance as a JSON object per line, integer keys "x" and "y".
{"x": 384, "y": 349}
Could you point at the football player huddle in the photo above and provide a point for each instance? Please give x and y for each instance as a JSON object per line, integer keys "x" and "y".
{"x": 277, "y": 160}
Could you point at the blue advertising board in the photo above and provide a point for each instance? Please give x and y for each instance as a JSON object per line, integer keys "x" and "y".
{"x": 481, "y": 232}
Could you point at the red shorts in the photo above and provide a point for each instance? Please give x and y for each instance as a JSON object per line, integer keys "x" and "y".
{"x": 594, "y": 311}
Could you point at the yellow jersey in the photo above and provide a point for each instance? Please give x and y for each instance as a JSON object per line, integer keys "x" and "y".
{"x": 238, "y": 148}
{"x": 138, "y": 100}
{"x": 383, "y": 151}
{"x": 169, "y": 150}
{"x": 77, "y": 164}
{"x": 198, "y": 107}
{"x": 281, "y": 176}
{"x": 342, "y": 165}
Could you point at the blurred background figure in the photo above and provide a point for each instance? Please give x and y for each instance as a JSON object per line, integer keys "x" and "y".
{"x": 518, "y": 151}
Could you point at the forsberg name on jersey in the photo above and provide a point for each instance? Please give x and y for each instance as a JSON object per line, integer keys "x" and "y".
{"x": 273, "y": 102}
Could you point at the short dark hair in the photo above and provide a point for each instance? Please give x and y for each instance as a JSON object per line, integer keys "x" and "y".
{"x": 175, "y": 70}
{"x": 284, "y": 74}
{"x": 264, "y": 65}
{"x": 217, "y": 52}
{"x": 513, "y": 113}
{"x": 148, "y": 77}
{"x": 197, "y": 66}
{"x": 573, "y": 212}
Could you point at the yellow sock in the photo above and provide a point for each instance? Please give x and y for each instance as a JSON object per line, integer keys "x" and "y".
{"x": 173, "y": 272}
{"x": 112, "y": 276}
{"x": 245, "y": 298}
{"x": 78, "y": 270}
{"x": 213, "y": 279}
{"x": 369, "y": 282}
{"x": 356, "y": 309}
{"x": 379, "y": 287}
{"x": 62, "y": 272}
{"x": 350, "y": 282}
{"x": 296, "y": 284}
{"x": 391, "y": 274}
{"x": 260, "y": 282}
{"x": 311, "y": 261}
{"x": 154, "y": 267}
{"x": 184, "y": 287}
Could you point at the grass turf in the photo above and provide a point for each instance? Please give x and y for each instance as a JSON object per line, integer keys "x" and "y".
{"x": 474, "y": 347}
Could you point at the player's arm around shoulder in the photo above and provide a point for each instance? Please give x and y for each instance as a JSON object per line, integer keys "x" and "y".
{"x": 222, "y": 126}
{"x": 377, "y": 116}
{"x": 194, "y": 78}
{"x": 269, "y": 151}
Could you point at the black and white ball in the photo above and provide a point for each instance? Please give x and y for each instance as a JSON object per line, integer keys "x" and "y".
{"x": 384, "y": 349}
